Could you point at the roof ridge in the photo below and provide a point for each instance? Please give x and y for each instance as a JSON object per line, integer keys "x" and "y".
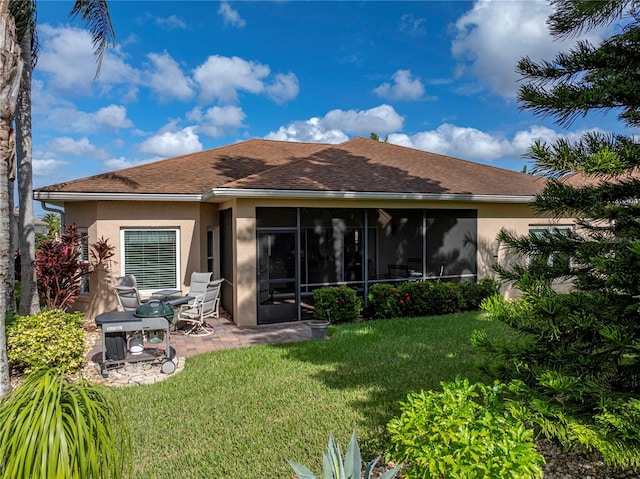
{"x": 286, "y": 141}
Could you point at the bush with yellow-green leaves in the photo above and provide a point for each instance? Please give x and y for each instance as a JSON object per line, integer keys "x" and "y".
{"x": 49, "y": 339}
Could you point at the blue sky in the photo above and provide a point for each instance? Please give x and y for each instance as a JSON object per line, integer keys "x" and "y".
{"x": 187, "y": 76}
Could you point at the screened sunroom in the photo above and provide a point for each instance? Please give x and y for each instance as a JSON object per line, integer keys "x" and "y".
{"x": 301, "y": 249}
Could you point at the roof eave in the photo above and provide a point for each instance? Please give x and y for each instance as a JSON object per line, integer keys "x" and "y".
{"x": 76, "y": 196}
{"x": 360, "y": 195}
{"x": 221, "y": 194}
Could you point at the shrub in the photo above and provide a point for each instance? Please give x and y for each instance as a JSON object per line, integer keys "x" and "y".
{"x": 418, "y": 298}
{"x": 412, "y": 298}
{"x": 60, "y": 267}
{"x": 444, "y": 298}
{"x": 474, "y": 293}
{"x": 50, "y": 427}
{"x": 465, "y": 431}
{"x": 384, "y": 301}
{"x": 343, "y": 302}
{"x": 49, "y": 339}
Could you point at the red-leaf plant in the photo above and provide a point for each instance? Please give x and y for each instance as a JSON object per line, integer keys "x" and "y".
{"x": 60, "y": 267}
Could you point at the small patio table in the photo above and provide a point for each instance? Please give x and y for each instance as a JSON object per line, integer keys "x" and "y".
{"x": 166, "y": 292}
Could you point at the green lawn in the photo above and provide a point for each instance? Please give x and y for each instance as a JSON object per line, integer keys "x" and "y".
{"x": 242, "y": 413}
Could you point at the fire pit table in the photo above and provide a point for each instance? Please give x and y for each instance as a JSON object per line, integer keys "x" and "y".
{"x": 149, "y": 319}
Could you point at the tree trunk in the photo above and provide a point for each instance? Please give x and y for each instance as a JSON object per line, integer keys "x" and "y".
{"x": 10, "y": 72}
{"x": 13, "y": 243}
{"x": 29, "y": 301}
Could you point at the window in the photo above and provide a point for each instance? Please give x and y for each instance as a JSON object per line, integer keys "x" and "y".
{"x": 211, "y": 250}
{"x": 152, "y": 256}
{"x": 555, "y": 258}
{"x": 84, "y": 258}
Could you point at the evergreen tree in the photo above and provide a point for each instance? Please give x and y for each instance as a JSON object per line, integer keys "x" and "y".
{"x": 575, "y": 362}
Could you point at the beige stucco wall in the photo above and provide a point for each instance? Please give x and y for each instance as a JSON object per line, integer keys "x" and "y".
{"x": 514, "y": 218}
{"x": 245, "y": 310}
{"x": 107, "y": 218}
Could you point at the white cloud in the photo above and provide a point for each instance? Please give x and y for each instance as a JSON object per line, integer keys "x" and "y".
{"x": 335, "y": 126}
{"x": 42, "y": 100}
{"x": 382, "y": 119}
{"x": 166, "y": 78}
{"x": 81, "y": 148}
{"x": 67, "y": 59}
{"x": 108, "y": 118}
{"x": 404, "y": 87}
{"x": 218, "y": 120}
{"x": 170, "y": 23}
{"x": 472, "y": 144}
{"x": 112, "y": 117}
{"x": 523, "y": 139}
{"x": 307, "y": 131}
{"x": 230, "y": 16}
{"x": 412, "y": 25}
{"x": 494, "y": 35}
{"x": 47, "y": 168}
{"x": 283, "y": 88}
{"x": 167, "y": 144}
{"x": 68, "y": 65}
{"x": 221, "y": 78}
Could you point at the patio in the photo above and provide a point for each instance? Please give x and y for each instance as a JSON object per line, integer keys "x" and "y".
{"x": 226, "y": 335}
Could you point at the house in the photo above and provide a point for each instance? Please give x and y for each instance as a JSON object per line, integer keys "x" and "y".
{"x": 39, "y": 226}
{"x": 278, "y": 219}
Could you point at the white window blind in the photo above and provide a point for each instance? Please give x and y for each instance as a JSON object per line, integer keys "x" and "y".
{"x": 152, "y": 257}
{"x": 84, "y": 257}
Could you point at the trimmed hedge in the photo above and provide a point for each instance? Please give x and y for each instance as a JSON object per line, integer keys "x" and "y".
{"x": 343, "y": 302}
{"x": 417, "y": 298}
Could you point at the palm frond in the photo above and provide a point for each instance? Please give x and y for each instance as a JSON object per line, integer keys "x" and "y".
{"x": 50, "y": 427}
{"x": 95, "y": 14}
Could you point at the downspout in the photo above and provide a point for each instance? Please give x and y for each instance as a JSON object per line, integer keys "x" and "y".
{"x": 54, "y": 210}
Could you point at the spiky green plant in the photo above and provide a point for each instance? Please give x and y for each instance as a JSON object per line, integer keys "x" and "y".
{"x": 53, "y": 428}
{"x": 334, "y": 467}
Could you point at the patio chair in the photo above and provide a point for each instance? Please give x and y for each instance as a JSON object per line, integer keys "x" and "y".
{"x": 199, "y": 284}
{"x": 212, "y": 308}
{"x": 127, "y": 293}
{"x": 203, "y": 307}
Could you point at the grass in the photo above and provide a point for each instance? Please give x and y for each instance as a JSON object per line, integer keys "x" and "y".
{"x": 242, "y": 413}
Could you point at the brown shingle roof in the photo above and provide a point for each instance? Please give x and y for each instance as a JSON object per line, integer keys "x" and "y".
{"x": 579, "y": 180}
{"x": 358, "y": 165}
{"x": 195, "y": 173}
{"x": 364, "y": 165}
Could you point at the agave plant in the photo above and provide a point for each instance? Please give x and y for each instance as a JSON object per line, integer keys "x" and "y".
{"x": 334, "y": 467}
{"x": 50, "y": 427}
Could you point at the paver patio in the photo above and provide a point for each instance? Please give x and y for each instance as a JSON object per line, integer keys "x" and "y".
{"x": 226, "y": 335}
